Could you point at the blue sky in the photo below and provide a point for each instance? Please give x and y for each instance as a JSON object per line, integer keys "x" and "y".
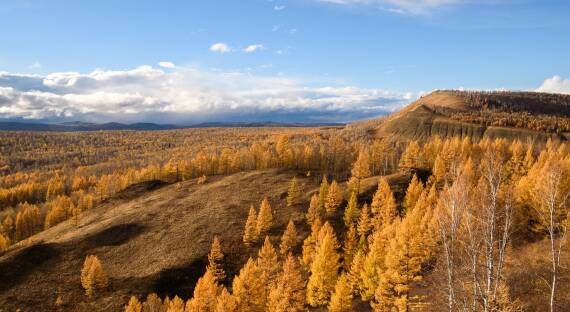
{"x": 287, "y": 60}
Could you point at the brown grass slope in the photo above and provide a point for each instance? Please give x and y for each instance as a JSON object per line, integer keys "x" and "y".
{"x": 481, "y": 114}
{"x": 155, "y": 242}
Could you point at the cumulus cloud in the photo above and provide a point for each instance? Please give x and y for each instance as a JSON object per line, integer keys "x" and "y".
{"x": 555, "y": 84}
{"x": 279, "y": 7}
{"x": 253, "y": 47}
{"x": 185, "y": 95}
{"x": 413, "y": 7}
{"x": 165, "y": 64}
{"x": 220, "y": 47}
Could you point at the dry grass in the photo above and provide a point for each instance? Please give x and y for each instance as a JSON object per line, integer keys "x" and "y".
{"x": 156, "y": 242}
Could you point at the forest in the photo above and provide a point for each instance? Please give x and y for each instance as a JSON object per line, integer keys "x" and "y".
{"x": 451, "y": 240}
{"x": 532, "y": 110}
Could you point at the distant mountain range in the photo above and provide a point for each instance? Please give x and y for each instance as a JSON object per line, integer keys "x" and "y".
{"x": 86, "y": 126}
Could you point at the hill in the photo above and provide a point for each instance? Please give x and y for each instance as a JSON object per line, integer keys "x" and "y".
{"x": 513, "y": 115}
{"x": 81, "y": 126}
{"x": 151, "y": 238}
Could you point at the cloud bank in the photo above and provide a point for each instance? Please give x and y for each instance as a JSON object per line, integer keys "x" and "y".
{"x": 555, "y": 85}
{"x": 186, "y": 95}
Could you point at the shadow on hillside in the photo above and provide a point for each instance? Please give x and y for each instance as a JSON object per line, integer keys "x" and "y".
{"x": 18, "y": 266}
{"x": 114, "y": 236}
{"x": 180, "y": 280}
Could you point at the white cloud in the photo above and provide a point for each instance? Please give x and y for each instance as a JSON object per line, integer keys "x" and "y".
{"x": 279, "y": 7}
{"x": 165, "y": 64}
{"x": 412, "y": 7}
{"x": 220, "y": 47}
{"x": 36, "y": 65}
{"x": 253, "y": 47}
{"x": 185, "y": 95}
{"x": 555, "y": 84}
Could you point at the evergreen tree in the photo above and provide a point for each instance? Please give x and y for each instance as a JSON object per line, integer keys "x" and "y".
{"x": 288, "y": 294}
{"x": 215, "y": 258}
{"x": 294, "y": 194}
{"x": 226, "y": 302}
{"x": 383, "y": 205}
{"x": 264, "y": 218}
{"x": 134, "y": 305}
{"x": 205, "y": 294}
{"x": 324, "y": 268}
{"x": 323, "y": 192}
{"x": 289, "y": 238}
{"x": 333, "y": 198}
{"x": 341, "y": 300}
{"x": 250, "y": 235}
{"x": 93, "y": 276}
{"x": 351, "y": 212}
{"x": 314, "y": 212}
{"x": 249, "y": 288}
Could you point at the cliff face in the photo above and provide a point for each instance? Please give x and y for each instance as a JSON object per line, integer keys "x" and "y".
{"x": 450, "y": 114}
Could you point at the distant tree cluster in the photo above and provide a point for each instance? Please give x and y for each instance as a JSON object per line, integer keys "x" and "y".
{"x": 531, "y": 110}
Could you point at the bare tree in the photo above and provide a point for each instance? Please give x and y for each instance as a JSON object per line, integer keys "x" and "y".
{"x": 552, "y": 193}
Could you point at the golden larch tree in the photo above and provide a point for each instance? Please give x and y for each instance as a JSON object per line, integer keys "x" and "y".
{"x": 93, "y": 276}
{"x": 134, "y": 305}
{"x": 313, "y": 213}
{"x": 364, "y": 223}
{"x": 288, "y": 293}
{"x": 289, "y": 238}
{"x": 294, "y": 193}
{"x": 350, "y": 246}
{"x": 205, "y": 294}
{"x": 333, "y": 198}
{"x": 383, "y": 205}
{"x": 215, "y": 260}
{"x": 267, "y": 261}
{"x": 250, "y": 235}
{"x": 361, "y": 168}
{"x": 4, "y": 242}
{"x": 411, "y": 157}
{"x": 226, "y": 302}
{"x": 341, "y": 300}
{"x": 324, "y": 268}
{"x": 413, "y": 192}
{"x": 264, "y": 218}
{"x": 249, "y": 288}
{"x": 351, "y": 212}
{"x": 309, "y": 244}
{"x": 175, "y": 305}
{"x": 323, "y": 192}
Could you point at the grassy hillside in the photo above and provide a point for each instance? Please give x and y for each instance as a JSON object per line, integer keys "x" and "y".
{"x": 512, "y": 115}
{"x": 149, "y": 241}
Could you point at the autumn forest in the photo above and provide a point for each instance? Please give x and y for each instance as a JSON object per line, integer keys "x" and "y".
{"x": 365, "y": 222}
